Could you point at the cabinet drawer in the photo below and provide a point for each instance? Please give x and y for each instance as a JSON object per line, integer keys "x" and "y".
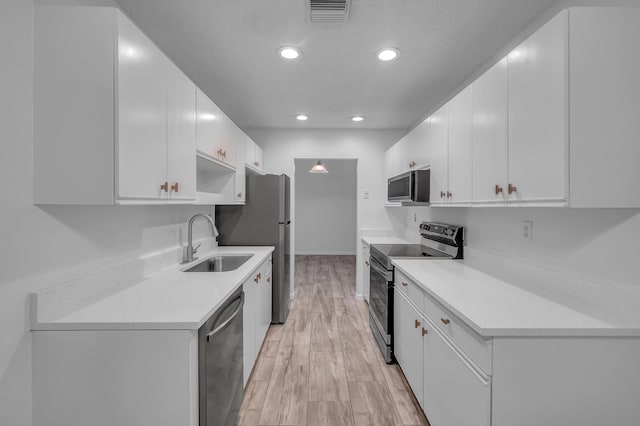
{"x": 476, "y": 347}
{"x": 409, "y": 288}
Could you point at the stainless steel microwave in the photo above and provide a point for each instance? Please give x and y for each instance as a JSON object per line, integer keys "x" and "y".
{"x": 412, "y": 186}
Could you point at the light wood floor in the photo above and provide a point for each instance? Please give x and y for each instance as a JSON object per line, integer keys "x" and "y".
{"x": 322, "y": 366}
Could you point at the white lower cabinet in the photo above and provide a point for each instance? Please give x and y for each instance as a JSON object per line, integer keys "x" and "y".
{"x": 454, "y": 391}
{"x": 256, "y": 316}
{"x": 407, "y": 323}
{"x": 447, "y": 382}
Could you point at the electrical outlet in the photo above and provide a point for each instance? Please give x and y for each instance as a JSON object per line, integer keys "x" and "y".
{"x": 415, "y": 217}
{"x": 527, "y": 230}
{"x": 366, "y": 195}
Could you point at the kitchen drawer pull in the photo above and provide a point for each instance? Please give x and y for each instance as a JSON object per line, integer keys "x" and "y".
{"x": 239, "y": 194}
{"x": 404, "y": 284}
{"x": 366, "y": 262}
{"x": 442, "y": 194}
{"x": 269, "y": 279}
{"x": 498, "y": 189}
{"x": 164, "y": 187}
{"x": 449, "y": 194}
{"x": 256, "y": 279}
{"x": 512, "y": 189}
{"x": 445, "y": 321}
{"x": 174, "y": 187}
{"x": 424, "y": 331}
{"x": 416, "y": 324}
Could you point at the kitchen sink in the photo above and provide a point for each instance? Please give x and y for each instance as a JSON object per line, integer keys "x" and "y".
{"x": 220, "y": 263}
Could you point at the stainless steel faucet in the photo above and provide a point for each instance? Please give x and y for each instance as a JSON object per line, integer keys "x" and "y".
{"x": 190, "y": 250}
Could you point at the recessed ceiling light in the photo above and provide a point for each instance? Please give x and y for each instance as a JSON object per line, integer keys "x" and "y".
{"x": 302, "y": 117}
{"x": 387, "y": 54}
{"x": 357, "y": 118}
{"x": 289, "y": 52}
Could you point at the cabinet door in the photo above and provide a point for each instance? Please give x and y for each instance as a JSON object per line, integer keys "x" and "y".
{"x": 407, "y": 328}
{"x": 416, "y": 148}
{"x": 538, "y": 145}
{"x": 240, "y": 173}
{"x": 460, "y": 146}
{"x": 249, "y": 152}
{"x": 142, "y": 136}
{"x": 249, "y": 325}
{"x": 490, "y": 135}
{"x": 388, "y": 164}
{"x": 454, "y": 393}
{"x": 265, "y": 288}
{"x": 208, "y": 125}
{"x": 365, "y": 272}
{"x": 229, "y": 138}
{"x": 181, "y": 134}
{"x": 439, "y": 155}
{"x": 259, "y": 157}
{"x": 396, "y": 158}
{"x": 605, "y": 100}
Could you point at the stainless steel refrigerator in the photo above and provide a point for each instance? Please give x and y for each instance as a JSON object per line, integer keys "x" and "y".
{"x": 263, "y": 221}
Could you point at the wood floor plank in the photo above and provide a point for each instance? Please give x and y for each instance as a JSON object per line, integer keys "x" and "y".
{"x": 274, "y": 332}
{"x": 362, "y": 366}
{"x": 263, "y": 368}
{"x": 269, "y": 348}
{"x": 254, "y": 396}
{"x": 372, "y": 405}
{"x": 287, "y": 396}
{"x": 327, "y": 377}
{"x": 329, "y": 413}
{"x": 325, "y": 335}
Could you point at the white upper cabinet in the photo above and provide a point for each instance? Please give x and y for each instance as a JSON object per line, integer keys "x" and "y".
{"x": 415, "y": 152}
{"x": 214, "y": 131}
{"x": 142, "y": 118}
{"x": 538, "y": 138}
{"x": 253, "y": 156}
{"x": 451, "y": 147}
{"x": 490, "y": 135}
{"x": 181, "y": 135}
{"x": 114, "y": 117}
{"x": 439, "y": 131}
{"x": 460, "y": 147}
{"x": 605, "y": 106}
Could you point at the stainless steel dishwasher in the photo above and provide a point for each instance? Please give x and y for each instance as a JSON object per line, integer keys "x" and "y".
{"x": 220, "y": 364}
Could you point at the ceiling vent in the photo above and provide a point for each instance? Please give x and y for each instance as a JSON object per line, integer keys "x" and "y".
{"x": 328, "y": 11}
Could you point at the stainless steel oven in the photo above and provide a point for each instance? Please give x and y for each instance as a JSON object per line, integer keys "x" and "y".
{"x": 380, "y": 302}
{"x": 439, "y": 241}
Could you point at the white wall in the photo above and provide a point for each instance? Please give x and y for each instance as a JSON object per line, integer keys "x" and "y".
{"x": 326, "y": 216}
{"x": 599, "y": 245}
{"x": 42, "y": 246}
{"x": 282, "y": 146}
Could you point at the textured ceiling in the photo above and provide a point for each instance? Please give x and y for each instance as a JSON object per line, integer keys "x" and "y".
{"x": 228, "y": 47}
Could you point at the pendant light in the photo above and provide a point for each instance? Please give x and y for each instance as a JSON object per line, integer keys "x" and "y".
{"x": 319, "y": 168}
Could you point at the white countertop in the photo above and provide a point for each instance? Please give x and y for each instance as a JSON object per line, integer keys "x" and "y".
{"x": 493, "y": 307}
{"x": 384, "y": 240}
{"x": 169, "y": 299}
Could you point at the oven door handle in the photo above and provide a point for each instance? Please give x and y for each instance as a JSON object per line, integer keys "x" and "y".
{"x": 380, "y": 270}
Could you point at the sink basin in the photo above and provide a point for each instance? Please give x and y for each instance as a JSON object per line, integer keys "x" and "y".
{"x": 220, "y": 263}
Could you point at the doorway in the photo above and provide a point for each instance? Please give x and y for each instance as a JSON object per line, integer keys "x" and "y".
{"x": 326, "y": 207}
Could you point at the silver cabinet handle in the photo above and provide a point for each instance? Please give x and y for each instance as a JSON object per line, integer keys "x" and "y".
{"x": 226, "y": 323}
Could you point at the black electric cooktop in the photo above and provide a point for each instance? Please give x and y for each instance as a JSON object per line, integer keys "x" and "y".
{"x": 384, "y": 252}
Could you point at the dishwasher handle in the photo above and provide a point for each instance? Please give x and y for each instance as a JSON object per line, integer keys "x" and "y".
{"x": 228, "y": 320}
